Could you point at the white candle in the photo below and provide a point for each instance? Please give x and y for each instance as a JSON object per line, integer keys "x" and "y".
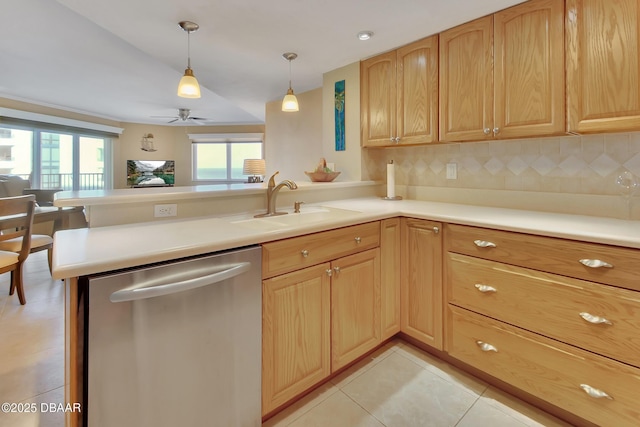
{"x": 391, "y": 180}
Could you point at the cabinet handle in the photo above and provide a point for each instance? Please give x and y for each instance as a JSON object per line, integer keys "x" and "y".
{"x": 594, "y": 392}
{"x": 358, "y": 239}
{"x": 392, "y": 139}
{"x": 595, "y": 263}
{"x": 485, "y": 288}
{"x": 486, "y": 131}
{"x": 336, "y": 269}
{"x": 329, "y": 272}
{"x": 486, "y": 346}
{"x": 304, "y": 253}
{"x": 484, "y": 244}
{"x": 436, "y": 230}
{"x": 496, "y": 130}
{"x": 397, "y": 139}
{"x": 596, "y": 320}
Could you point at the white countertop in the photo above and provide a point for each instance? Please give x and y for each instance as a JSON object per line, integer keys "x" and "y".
{"x": 87, "y": 251}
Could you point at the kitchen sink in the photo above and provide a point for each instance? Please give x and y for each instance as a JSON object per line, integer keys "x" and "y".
{"x": 307, "y": 215}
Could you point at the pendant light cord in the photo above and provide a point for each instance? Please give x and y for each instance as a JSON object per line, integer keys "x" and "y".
{"x": 188, "y": 49}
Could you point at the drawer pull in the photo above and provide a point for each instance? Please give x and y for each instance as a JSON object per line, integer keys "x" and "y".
{"x": 594, "y": 392}
{"x": 304, "y": 253}
{"x": 436, "y": 230}
{"x": 484, "y": 244}
{"x": 595, "y": 263}
{"x": 358, "y": 239}
{"x": 486, "y": 346}
{"x": 329, "y": 272}
{"x": 595, "y": 319}
{"x": 336, "y": 269}
{"x": 485, "y": 288}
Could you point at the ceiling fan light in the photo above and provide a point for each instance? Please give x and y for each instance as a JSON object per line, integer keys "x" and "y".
{"x": 290, "y": 102}
{"x": 188, "y": 86}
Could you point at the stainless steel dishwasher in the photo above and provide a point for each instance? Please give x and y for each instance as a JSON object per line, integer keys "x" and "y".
{"x": 176, "y": 344}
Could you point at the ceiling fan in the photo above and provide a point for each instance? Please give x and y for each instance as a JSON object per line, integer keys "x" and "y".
{"x": 184, "y": 114}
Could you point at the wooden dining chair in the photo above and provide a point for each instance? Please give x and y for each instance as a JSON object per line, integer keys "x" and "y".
{"x": 20, "y": 212}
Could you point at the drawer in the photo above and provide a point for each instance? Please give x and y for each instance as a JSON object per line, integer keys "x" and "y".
{"x": 292, "y": 254}
{"x": 550, "y": 370}
{"x": 549, "y": 254}
{"x": 596, "y": 317}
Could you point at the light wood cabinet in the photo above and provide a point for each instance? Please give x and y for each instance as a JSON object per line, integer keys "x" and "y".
{"x": 317, "y": 318}
{"x": 603, "y": 65}
{"x": 421, "y": 281}
{"x": 517, "y": 310}
{"x": 355, "y": 306}
{"x": 295, "y": 334}
{"x": 502, "y": 76}
{"x": 399, "y": 96}
{"x": 566, "y": 376}
{"x": 390, "y": 247}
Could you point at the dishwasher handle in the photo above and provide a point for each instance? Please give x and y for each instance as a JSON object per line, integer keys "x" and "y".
{"x": 138, "y": 292}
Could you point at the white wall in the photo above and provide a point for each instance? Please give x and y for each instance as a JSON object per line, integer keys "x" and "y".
{"x": 293, "y": 141}
{"x": 348, "y": 162}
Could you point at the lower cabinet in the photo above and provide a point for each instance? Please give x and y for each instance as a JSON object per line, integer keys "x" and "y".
{"x": 318, "y": 319}
{"x": 295, "y": 334}
{"x": 355, "y": 307}
{"x": 421, "y": 281}
{"x": 390, "y": 247}
{"x": 600, "y": 390}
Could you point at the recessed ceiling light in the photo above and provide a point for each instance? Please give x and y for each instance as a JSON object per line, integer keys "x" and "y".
{"x": 365, "y": 35}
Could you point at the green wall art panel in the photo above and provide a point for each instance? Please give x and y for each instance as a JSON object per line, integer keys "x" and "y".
{"x": 339, "y": 115}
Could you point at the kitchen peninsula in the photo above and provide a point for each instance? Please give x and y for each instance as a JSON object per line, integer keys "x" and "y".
{"x": 592, "y": 241}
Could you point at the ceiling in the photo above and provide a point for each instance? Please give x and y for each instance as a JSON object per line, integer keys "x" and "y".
{"x": 122, "y": 59}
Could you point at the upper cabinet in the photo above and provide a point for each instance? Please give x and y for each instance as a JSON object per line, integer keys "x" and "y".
{"x": 399, "y": 96}
{"x": 603, "y": 65}
{"x": 502, "y": 76}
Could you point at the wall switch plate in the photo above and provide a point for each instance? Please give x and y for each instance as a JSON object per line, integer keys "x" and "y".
{"x": 161, "y": 211}
{"x": 452, "y": 171}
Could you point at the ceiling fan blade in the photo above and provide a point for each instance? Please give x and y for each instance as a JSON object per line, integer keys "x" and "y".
{"x": 174, "y": 120}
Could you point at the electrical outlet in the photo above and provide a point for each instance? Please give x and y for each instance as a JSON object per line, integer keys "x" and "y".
{"x": 161, "y": 211}
{"x": 452, "y": 171}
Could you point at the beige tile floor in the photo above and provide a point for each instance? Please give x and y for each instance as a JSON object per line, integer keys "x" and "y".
{"x": 398, "y": 385}
{"x": 402, "y": 386}
{"x": 32, "y": 345}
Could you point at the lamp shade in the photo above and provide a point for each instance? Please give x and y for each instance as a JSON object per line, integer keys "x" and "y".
{"x": 188, "y": 86}
{"x": 290, "y": 102}
{"x": 254, "y": 167}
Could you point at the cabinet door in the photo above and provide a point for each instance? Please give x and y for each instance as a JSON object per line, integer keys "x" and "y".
{"x": 421, "y": 286}
{"x": 390, "y": 277}
{"x": 295, "y": 334}
{"x": 466, "y": 81}
{"x": 417, "y": 73}
{"x": 603, "y": 65}
{"x": 355, "y": 306}
{"x": 378, "y": 100}
{"x": 529, "y": 70}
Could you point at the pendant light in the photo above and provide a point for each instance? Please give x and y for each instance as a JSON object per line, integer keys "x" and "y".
{"x": 188, "y": 86}
{"x": 290, "y": 102}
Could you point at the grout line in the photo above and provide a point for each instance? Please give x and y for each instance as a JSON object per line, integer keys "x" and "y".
{"x": 364, "y": 409}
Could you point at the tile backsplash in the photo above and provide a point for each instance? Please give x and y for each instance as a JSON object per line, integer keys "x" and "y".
{"x": 586, "y": 164}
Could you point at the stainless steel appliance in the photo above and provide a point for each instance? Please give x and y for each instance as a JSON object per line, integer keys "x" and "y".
{"x": 176, "y": 344}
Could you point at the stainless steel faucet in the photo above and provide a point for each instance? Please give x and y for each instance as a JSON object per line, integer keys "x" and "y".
{"x": 272, "y": 192}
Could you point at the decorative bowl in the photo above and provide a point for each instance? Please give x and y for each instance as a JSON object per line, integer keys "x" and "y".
{"x": 322, "y": 176}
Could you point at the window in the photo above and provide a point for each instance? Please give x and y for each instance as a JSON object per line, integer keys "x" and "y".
{"x": 220, "y": 157}
{"x": 51, "y": 159}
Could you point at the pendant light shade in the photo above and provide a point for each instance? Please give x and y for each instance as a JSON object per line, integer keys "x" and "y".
{"x": 290, "y": 102}
{"x": 188, "y": 86}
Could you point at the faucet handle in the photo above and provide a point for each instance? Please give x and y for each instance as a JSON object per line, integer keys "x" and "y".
{"x": 272, "y": 180}
{"x": 296, "y": 207}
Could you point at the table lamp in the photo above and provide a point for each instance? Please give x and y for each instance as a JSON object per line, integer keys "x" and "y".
{"x": 254, "y": 167}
